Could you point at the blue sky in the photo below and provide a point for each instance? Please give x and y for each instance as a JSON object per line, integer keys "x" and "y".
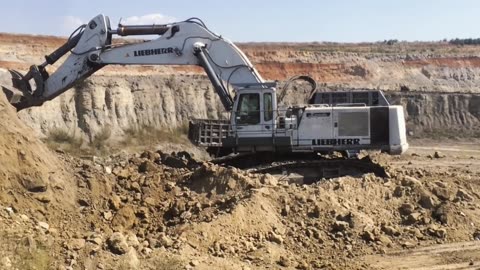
{"x": 268, "y": 20}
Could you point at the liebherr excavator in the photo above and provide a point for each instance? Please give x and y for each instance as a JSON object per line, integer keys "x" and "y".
{"x": 332, "y": 121}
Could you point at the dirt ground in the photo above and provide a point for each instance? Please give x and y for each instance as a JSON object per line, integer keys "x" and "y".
{"x": 460, "y": 158}
{"x": 158, "y": 210}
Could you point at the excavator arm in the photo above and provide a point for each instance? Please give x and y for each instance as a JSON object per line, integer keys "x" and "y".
{"x": 90, "y": 48}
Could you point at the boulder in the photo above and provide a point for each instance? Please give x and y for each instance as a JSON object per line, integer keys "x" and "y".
{"x": 410, "y": 181}
{"x": 406, "y": 209}
{"x": 125, "y": 218}
{"x": 147, "y": 166}
{"x": 426, "y": 201}
{"x": 340, "y": 226}
{"x": 117, "y": 243}
{"x": 34, "y": 183}
{"x": 443, "y": 193}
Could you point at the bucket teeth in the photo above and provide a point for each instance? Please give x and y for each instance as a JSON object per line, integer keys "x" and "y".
{"x": 19, "y": 94}
{"x": 13, "y": 95}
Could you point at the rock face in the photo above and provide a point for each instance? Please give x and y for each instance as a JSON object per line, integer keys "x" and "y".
{"x": 165, "y": 101}
{"x": 439, "y": 111}
{"x": 131, "y": 102}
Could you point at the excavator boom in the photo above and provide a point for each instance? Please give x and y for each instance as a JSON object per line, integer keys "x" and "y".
{"x": 90, "y": 48}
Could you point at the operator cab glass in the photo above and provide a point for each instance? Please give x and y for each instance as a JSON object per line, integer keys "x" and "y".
{"x": 268, "y": 107}
{"x": 248, "y": 109}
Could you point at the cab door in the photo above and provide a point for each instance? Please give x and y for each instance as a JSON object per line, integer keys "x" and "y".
{"x": 247, "y": 120}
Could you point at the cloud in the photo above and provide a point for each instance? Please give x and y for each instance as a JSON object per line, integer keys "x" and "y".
{"x": 156, "y": 18}
{"x": 69, "y": 24}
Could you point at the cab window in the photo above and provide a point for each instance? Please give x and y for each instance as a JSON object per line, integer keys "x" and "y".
{"x": 267, "y": 106}
{"x": 248, "y": 111}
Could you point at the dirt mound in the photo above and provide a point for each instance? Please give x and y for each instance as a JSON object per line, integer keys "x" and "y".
{"x": 157, "y": 210}
{"x": 27, "y": 165}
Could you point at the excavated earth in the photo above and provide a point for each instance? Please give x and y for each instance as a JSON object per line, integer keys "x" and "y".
{"x": 155, "y": 210}
{"x": 159, "y": 210}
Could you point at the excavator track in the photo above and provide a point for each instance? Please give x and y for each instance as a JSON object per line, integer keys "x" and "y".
{"x": 310, "y": 168}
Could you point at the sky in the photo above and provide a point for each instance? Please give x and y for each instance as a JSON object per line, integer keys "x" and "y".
{"x": 261, "y": 21}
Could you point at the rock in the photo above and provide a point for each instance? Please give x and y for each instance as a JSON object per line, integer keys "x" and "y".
{"x": 147, "y": 166}
{"x": 285, "y": 210}
{"x": 132, "y": 240}
{"x": 417, "y": 233}
{"x": 83, "y": 202}
{"x": 406, "y": 209}
{"x": 441, "y": 184}
{"x": 384, "y": 240}
{"x": 136, "y": 161}
{"x": 169, "y": 186}
{"x": 441, "y": 233}
{"x": 174, "y": 162}
{"x": 268, "y": 179}
{"x": 125, "y": 218}
{"x": 165, "y": 241}
{"x": 413, "y": 218}
{"x": 464, "y": 196}
{"x": 409, "y": 181}
{"x": 194, "y": 263}
{"x": 317, "y": 211}
{"x": 340, "y": 226}
{"x": 391, "y": 231}
{"x": 6, "y": 263}
{"x": 117, "y": 243}
{"x": 276, "y": 238}
{"x": 143, "y": 212}
{"x": 34, "y": 183}
{"x": 438, "y": 154}
{"x": 368, "y": 236}
{"x": 283, "y": 261}
{"x": 121, "y": 173}
{"x": 443, "y": 213}
{"x": 135, "y": 187}
{"x": 399, "y": 192}
{"x": 152, "y": 242}
{"x": 107, "y": 169}
{"x": 76, "y": 244}
{"x": 147, "y": 251}
{"x": 148, "y": 155}
{"x": 96, "y": 240}
{"x": 476, "y": 235}
{"x": 442, "y": 193}
{"x": 42, "y": 198}
{"x": 115, "y": 202}
{"x": 43, "y": 225}
{"x": 9, "y": 210}
{"x": 408, "y": 244}
{"x": 107, "y": 215}
{"x": 426, "y": 201}
{"x": 130, "y": 259}
{"x": 149, "y": 201}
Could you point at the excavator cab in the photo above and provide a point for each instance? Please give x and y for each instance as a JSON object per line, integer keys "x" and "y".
{"x": 253, "y": 110}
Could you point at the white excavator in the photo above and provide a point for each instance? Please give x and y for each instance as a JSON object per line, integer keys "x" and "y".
{"x": 330, "y": 121}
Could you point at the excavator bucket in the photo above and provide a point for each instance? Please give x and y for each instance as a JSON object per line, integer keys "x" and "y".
{"x": 20, "y": 93}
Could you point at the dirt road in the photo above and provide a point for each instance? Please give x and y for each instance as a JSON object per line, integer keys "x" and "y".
{"x": 464, "y": 255}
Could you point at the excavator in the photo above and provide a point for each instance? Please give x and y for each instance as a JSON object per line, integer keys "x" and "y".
{"x": 330, "y": 121}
